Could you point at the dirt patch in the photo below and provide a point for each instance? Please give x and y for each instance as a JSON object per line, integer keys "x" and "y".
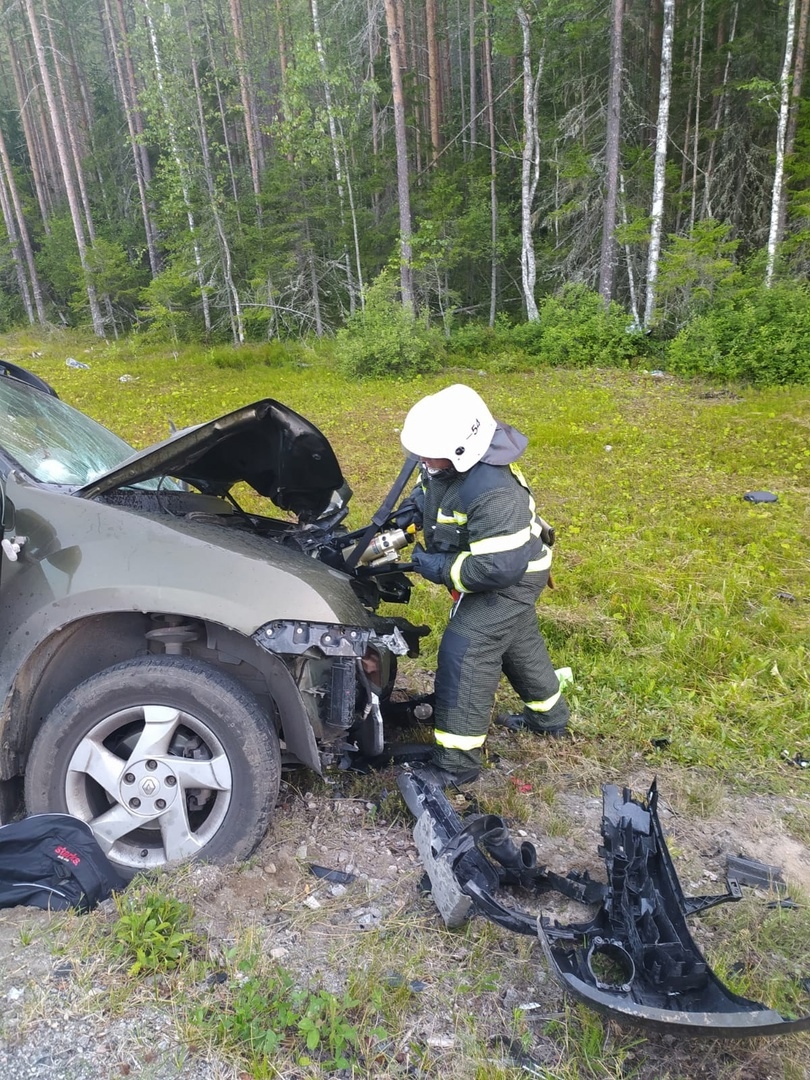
{"x": 464, "y": 989}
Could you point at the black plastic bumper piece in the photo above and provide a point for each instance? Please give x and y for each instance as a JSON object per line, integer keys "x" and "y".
{"x": 635, "y": 960}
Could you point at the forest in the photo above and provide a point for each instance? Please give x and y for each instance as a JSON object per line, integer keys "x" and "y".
{"x": 632, "y": 173}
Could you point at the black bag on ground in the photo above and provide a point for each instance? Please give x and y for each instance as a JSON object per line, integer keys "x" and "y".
{"x": 53, "y": 861}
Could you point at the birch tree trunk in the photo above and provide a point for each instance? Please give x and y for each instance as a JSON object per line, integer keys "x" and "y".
{"x": 392, "y": 21}
{"x": 609, "y": 253}
{"x": 529, "y": 169}
{"x": 64, "y": 162}
{"x": 234, "y": 302}
{"x": 775, "y": 232}
{"x": 659, "y": 171}
{"x": 223, "y": 120}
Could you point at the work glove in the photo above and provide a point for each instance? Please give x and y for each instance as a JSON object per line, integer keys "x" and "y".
{"x": 406, "y": 514}
{"x": 430, "y": 566}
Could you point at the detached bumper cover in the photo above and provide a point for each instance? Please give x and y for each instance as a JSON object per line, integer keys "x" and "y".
{"x": 635, "y": 960}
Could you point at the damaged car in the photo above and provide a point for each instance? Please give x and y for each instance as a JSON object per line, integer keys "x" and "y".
{"x": 164, "y": 652}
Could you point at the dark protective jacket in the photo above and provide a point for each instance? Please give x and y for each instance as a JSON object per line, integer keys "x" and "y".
{"x": 486, "y": 522}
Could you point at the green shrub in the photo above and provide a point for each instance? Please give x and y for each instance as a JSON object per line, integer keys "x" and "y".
{"x": 168, "y": 302}
{"x": 758, "y": 335}
{"x": 475, "y": 340}
{"x": 385, "y": 340}
{"x": 272, "y": 354}
{"x": 577, "y": 330}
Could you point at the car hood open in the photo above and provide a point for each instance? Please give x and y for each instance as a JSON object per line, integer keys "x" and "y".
{"x": 280, "y": 454}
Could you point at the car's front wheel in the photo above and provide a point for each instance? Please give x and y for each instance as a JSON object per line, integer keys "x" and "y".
{"x": 165, "y": 757}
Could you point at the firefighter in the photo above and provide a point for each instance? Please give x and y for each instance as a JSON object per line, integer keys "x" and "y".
{"x": 486, "y": 543}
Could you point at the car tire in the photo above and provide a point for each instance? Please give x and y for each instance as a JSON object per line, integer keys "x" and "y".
{"x": 165, "y": 757}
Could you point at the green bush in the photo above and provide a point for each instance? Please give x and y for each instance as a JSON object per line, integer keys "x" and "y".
{"x": 385, "y": 340}
{"x": 758, "y": 335}
{"x": 240, "y": 357}
{"x": 575, "y": 329}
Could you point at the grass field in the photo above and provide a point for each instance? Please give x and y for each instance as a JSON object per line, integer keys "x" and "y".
{"x": 682, "y": 609}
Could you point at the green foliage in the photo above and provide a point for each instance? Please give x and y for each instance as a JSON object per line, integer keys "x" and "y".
{"x": 114, "y": 277}
{"x": 385, "y": 340}
{"x": 168, "y": 302}
{"x": 238, "y": 358}
{"x": 576, "y": 329}
{"x": 267, "y": 1011}
{"x": 694, "y": 268}
{"x": 58, "y": 261}
{"x": 153, "y": 931}
{"x": 757, "y": 335}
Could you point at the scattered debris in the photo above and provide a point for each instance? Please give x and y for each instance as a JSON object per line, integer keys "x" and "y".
{"x": 798, "y": 759}
{"x": 752, "y": 872}
{"x": 760, "y": 497}
{"x": 635, "y": 959}
{"x": 368, "y": 918}
{"x": 337, "y": 877}
{"x": 127, "y": 378}
{"x": 70, "y": 362}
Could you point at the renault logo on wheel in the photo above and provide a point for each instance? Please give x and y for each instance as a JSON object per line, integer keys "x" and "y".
{"x": 149, "y": 786}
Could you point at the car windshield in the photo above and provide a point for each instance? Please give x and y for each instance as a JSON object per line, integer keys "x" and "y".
{"x": 54, "y": 442}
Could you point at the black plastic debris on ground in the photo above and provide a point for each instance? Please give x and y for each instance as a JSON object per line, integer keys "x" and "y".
{"x": 337, "y": 877}
{"x": 753, "y": 872}
{"x": 634, "y": 959}
{"x": 760, "y": 497}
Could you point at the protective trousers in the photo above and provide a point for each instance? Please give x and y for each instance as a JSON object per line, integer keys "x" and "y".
{"x": 489, "y": 633}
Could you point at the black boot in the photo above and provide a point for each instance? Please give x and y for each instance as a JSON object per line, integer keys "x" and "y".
{"x": 519, "y": 722}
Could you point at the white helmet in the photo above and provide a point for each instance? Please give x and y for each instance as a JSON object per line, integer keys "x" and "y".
{"x": 453, "y": 424}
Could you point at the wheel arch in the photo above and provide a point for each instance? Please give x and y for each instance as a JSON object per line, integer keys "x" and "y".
{"x": 86, "y": 646}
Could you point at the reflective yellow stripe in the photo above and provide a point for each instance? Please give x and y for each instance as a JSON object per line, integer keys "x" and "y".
{"x": 455, "y": 571}
{"x": 494, "y": 544}
{"x": 456, "y": 518}
{"x": 543, "y": 563}
{"x": 518, "y": 475}
{"x": 544, "y": 706}
{"x": 521, "y": 479}
{"x": 459, "y": 742}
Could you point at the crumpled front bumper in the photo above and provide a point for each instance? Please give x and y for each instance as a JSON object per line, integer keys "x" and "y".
{"x": 635, "y": 959}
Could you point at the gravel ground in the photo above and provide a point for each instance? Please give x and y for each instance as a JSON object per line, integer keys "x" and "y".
{"x": 62, "y": 1014}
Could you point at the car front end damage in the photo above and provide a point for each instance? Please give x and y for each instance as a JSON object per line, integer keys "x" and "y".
{"x": 634, "y": 959}
{"x": 343, "y": 674}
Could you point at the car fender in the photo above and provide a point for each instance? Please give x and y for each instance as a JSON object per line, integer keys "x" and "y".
{"x": 82, "y": 558}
